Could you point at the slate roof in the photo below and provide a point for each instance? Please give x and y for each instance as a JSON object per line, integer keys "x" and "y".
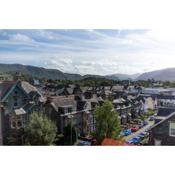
{"x": 59, "y": 91}
{"x": 117, "y": 88}
{"x": 28, "y": 106}
{"x": 119, "y": 100}
{"x": 62, "y": 101}
{"x": 19, "y": 111}
{"x": 70, "y": 90}
{"x": 90, "y": 88}
{"x": 67, "y": 90}
{"x": 106, "y": 92}
{"x": 28, "y": 88}
{"x": 84, "y": 89}
{"x": 162, "y": 121}
{"x": 107, "y": 87}
{"x": 94, "y": 99}
{"x": 5, "y": 86}
{"x": 163, "y": 111}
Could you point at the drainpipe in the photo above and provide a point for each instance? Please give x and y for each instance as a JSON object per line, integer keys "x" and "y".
{"x": 1, "y": 132}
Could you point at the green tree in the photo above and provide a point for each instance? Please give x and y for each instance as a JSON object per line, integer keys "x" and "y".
{"x": 107, "y": 122}
{"x": 40, "y": 130}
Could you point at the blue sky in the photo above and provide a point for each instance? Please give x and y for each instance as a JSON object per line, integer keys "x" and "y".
{"x": 90, "y": 51}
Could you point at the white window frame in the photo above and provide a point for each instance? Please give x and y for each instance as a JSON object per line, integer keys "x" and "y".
{"x": 13, "y": 127}
{"x": 170, "y": 128}
{"x": 16, "y": 123}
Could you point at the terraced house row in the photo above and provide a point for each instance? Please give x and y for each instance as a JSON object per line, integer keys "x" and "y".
{"x": 75, "y": 104}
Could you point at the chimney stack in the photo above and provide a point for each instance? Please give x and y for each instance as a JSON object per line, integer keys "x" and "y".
{"x": 17, "y": 76}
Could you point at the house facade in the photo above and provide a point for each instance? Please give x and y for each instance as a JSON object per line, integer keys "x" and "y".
{"x": 18, "y": 99}
{"x": 163, "y": 132}
{"x": 69, "y": 109}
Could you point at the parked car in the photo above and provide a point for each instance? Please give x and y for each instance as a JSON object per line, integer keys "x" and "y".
{"x": 130, "y": 141}
{"x": 141, "y": 124}
{"x": 134, "y": 128}
{"x": 135, "y": 140}
{"x": 151, "y": 118}
{"x": 143, "y": 133}
{"x": 84, "y": 143}
{"x": 145, "y": 122}
{"x": 141, "y": 136}
{"x": 127, "y": 132}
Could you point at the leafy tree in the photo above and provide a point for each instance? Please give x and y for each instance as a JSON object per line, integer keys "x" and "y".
{"x": 143, "y": 117}
{"x": 107, "y": 122}
{"x": 68, "y": 131}
{"x": 40, "y": 130}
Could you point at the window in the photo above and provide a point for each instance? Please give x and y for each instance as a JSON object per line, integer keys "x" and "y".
{"x": 16, "y": 92}
{"x": 13, "y": 124}
{"x": 15, "y": 102}
{"x": 69, "y": 110}
{"x": 19, "y": 124}
{"x": 24, "y": 100}
{"x": 172, "y": 129}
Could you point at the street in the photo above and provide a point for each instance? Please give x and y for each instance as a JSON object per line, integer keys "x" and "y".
{"x": 135, "y": 134}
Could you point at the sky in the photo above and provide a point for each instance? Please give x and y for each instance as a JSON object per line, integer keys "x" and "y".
{"x": 92, "y": 51}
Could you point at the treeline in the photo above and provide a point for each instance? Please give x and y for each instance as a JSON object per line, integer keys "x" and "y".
{"x": 100, "y": 81}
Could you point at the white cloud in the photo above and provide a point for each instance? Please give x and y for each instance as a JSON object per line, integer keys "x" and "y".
{"x": 46, "y": 34}
{"x": 63, "y": 64}
{"x": 132, "y": 52}
{"x": 20, "y": 37}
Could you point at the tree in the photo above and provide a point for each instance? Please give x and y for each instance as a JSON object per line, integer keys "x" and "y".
{"x": 107, "y": 122}
{"x": 40, "y": 130}
{"x": 68, "y": 131}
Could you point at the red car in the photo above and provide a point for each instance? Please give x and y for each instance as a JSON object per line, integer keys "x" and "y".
{"x": 134, "y": 128}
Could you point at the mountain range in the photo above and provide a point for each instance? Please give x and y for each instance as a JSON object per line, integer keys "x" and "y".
{"x": 122, "y": 76}
{"x": 40, "y": 72}
{"x": 163, "y": 75}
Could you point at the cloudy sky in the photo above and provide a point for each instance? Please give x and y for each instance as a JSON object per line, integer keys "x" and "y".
{"x": 90, "y": 51}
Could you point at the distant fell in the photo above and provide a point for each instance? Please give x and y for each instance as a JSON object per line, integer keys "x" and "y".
{"x": 163, "y": 75}
{"x": 38, "y": 72}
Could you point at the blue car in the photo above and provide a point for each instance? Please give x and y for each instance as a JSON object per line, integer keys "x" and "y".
{"x": 84, "y": 143}
{"x": 127, "y": 132}
{"x": 141, "y": 136}
{"x": 135, "y": 140}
